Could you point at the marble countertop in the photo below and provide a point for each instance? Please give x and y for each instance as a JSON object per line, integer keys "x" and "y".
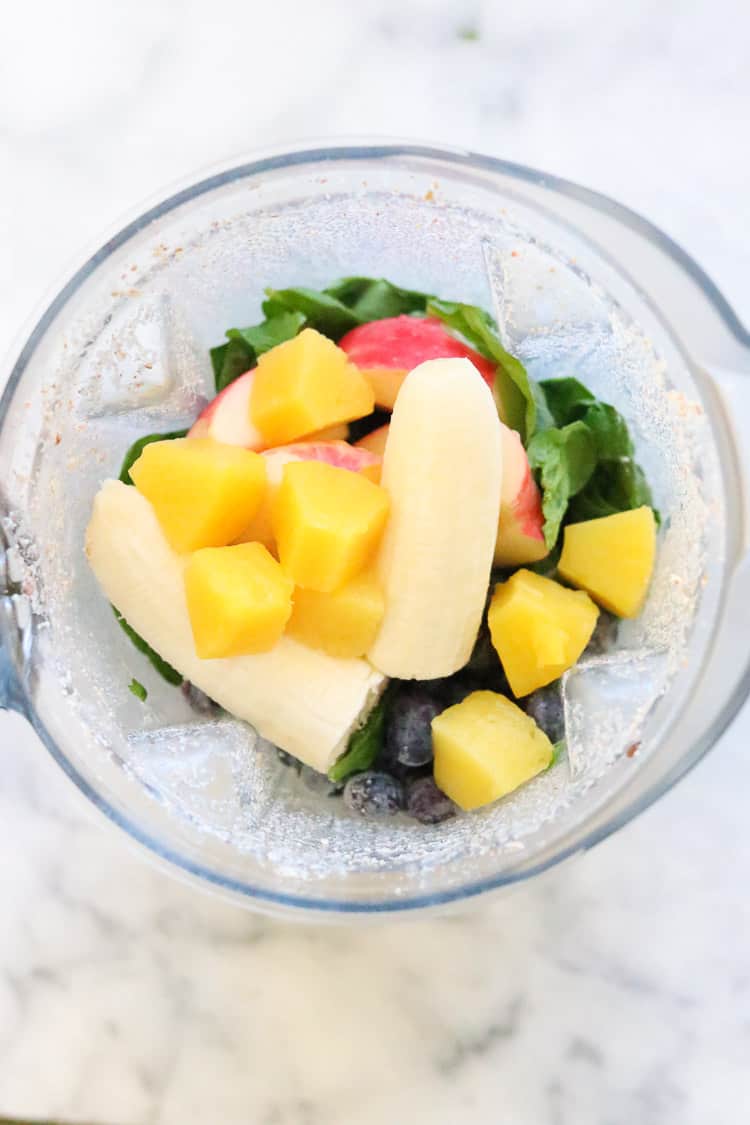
{"x": 614, "y": 991}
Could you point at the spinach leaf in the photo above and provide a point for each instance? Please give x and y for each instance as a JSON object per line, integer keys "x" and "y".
{"x": 231, "y": 360}
{"x": 567, "y": 399}
{"x": 375, "y": 298}
{"x": 513, "y": 389}
{"x": 565, "y": 459}
{"x": 270, "y": 332}
{"x": 609, "y": 431}
{"x": 558, "y": 753}
{"x": 170, "y": 674}
{"x": 364, "y": 745}
{"x": 327, "y": 314}
{"x": 138, "y": 690}
{"x": 137, "y": 448}
{"x": 616, "y": 486}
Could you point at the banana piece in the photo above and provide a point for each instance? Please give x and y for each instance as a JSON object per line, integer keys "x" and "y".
{"x": 443, "y": 471}
{"x": 302, "y": 700}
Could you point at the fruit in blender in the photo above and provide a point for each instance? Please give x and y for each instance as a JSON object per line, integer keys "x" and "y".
{"x": 238, "y": 598}
{"x": 485, "y": 747}
{"x": 443, "y": 472}
{"x": 327, "y": 523}
{"x": 204, "y": 493}
{"x": 342, "y": 623}
{"x": 304, "y": 385}
{"x": 386, "y": 350}
{"x": 539, "y": 629}
{"x": 304, "y": 701}
{"x": 520, "y": 535}
{"x": 612, "y": 558}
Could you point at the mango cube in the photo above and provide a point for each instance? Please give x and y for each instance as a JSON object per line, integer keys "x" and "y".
{"x": 239, "y": 600}
{"x": 538, "y": 628}
{"x": 485, "y": 747}
{"x": 612, "y": 558}
{"x": 204, "y": 493}
{"x": 327, "y": 523}
{"x": 306, "y": 384}
{"x": 343, "y": 623}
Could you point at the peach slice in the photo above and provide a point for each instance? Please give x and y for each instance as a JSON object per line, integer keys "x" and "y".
{"x": 386, "y": 350}
{"x": 336, "y": 453}
{"x": 520, "y": 534}
{"x": 227, "y": 419}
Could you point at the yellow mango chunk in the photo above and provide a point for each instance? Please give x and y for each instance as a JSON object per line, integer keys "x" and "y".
{"x": 343, "y": 623}
{"x": 612, "y": 558}
{"x": 327, "y": 523}
{"x": 204, "y": 493}
{"x": 238, "y": 598}
{"x": 539, "y": 629}
{"x": 306, "y": 384}
{"x": 485, "y": 747}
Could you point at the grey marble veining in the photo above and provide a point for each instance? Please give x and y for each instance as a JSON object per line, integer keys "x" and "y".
{"x": 615, "y": 991}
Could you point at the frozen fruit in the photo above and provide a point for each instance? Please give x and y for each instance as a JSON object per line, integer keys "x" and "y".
{"x": 204, "y": 493}
{"x": 428, "y": 804}
{"x": 612, "y": 558}
{"x": 375, "y": 441}
{"x": 520, "y": 538}
{"x": 539, "y": 629}
{"x": 238, "y": 598}
{"x": 374, "y": 793}
{"x": 303, "y": 385}
{"x": 408, "y": 734}
{"x": 386, "y": 350}
{"x": 342, "y": 623}
{"x": 545, "y": 705}
{"x": 442, "y": 469}
{"x": 227, "y": 417}
{"x": 485, "y": 747}
{"x": 327, "y": 523}
{"x": 337, "y": 453}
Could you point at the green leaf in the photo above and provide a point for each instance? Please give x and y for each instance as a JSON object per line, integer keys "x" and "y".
{"x": 274, "y": 330}
{"x": 231, "y": 360}
{"x": 565, "y": 459}
{"x": 375, "y": 298}
{"x": 558, "y": 752}
{"x": 609, "y": 431}
{"x": 616, "y": 486}
{"x": 567, "y": 399}
{"x": 364, "y": 745}
{"x": 170, "y": 674}
{"x": 325, "y": 313}
{"x": 513, "y": 389}
{"x": 138, "y": 690}
{"x": 137, "y": 448}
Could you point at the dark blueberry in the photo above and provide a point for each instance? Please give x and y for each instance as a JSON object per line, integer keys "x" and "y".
{"x": 408, "y": 734}
{"x": 428, "y": 804}
{"x": 198, "y": 699}
{"x": 374, "y": 793}
{"x": 604, "y": 636}
{"x": 546, "y": 707}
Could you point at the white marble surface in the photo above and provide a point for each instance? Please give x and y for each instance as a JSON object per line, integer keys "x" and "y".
{"x": 615, "y": 991}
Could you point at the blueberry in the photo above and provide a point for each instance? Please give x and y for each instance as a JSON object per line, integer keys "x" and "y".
{"x": 604, "y": 636}
{"x": 408, "y": 734}
{"x": 546, "y": 707}
{"x": 428, "y": 804}
{"x": 374, "y": 793}
{"x": 198, "y": 699}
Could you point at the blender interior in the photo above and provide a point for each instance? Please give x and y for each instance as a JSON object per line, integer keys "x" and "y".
{"x": 130, "y": 356}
